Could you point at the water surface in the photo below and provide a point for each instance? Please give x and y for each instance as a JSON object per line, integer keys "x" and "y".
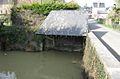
{"x": 42, "y": 65}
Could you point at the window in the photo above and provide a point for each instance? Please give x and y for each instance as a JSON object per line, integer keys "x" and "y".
{"x": 95, "y": 5}
{"x": 101, "y": 5}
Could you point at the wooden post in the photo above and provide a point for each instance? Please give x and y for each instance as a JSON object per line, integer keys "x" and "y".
{"x": 53, "y": 42}
{"x": 44, "y": 43}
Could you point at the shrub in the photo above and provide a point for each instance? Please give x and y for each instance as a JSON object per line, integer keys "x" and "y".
{"x": 47, "y": 7}
{"x": 14, "y": 35}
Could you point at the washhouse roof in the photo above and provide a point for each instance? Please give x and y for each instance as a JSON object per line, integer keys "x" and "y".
{"x": 64, "y": 22}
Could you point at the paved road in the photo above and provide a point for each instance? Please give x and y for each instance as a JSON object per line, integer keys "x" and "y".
{"x": 110, "y": 38}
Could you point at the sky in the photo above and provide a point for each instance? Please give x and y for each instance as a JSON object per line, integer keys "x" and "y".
{"x": 89, "y": 2}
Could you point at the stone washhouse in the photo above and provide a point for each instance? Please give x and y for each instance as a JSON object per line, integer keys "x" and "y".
{"x": 64, "y": 30}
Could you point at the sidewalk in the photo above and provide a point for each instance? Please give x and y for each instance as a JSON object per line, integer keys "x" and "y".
{"x": 107, "y": 46}
{"x": 110, "y": 38}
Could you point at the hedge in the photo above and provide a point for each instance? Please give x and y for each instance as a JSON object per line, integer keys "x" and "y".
{"x": 47, "y": 7}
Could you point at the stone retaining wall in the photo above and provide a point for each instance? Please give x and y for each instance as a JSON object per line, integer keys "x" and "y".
{"x": 98, "y": 60}
{"x": 92, "y": 63}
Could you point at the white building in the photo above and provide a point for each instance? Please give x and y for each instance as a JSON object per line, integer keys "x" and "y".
{"x": 99, "y": 10}
{"x": 5, "y": 6}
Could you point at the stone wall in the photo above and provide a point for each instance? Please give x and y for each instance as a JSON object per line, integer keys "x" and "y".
{"x": 99, "y": 62}
{"x": 65, "y": 43}
{"x": 92, "y": 63}
{"x": 28, "y": 22}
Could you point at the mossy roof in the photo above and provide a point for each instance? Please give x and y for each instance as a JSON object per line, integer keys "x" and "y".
{"x": 64, "y": 22}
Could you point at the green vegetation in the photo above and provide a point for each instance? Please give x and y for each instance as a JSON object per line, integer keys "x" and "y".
{"x": 47, "y": 7}
{"x": 113, "y": 20}
{"x": 92, "y": 63}
{"x": 114, "y": 26}
{"x": 114, "y": 16}
{"x": 101, "y": 21}
{"x": 19, "y": 33}
{"x": 118, "y": 3}
{"x": 35, "y": 1}
{"x": 15, "y": 38}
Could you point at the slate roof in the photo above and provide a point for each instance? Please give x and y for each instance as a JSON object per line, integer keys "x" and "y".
{"x": 64, "y": 22}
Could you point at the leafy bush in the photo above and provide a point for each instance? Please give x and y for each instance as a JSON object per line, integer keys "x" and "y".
{"x": 114, "y": 16}
{"x": 47, "y": 7}
{"x": 117, "y": 15}
{"x": 14, "y": 35}
{"x": 101, "y": 21}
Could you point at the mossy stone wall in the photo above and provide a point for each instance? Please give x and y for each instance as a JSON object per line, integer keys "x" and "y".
{"x": 92, "y": 63}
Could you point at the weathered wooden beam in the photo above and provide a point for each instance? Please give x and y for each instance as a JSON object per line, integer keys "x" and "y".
{"x": 47, "y": 37}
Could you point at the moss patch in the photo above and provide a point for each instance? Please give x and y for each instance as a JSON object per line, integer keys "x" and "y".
{"x": 92, "y": 64}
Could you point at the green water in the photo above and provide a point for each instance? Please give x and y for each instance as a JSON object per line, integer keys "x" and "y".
{"x": 42, "y": 65}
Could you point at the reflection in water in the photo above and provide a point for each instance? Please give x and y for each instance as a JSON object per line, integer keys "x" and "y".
{"x": 7, "y": 75}
{"x": 43, "y": 65}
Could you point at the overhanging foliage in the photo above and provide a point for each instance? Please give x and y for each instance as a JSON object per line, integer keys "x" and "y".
{"x": 47, "y": 7}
